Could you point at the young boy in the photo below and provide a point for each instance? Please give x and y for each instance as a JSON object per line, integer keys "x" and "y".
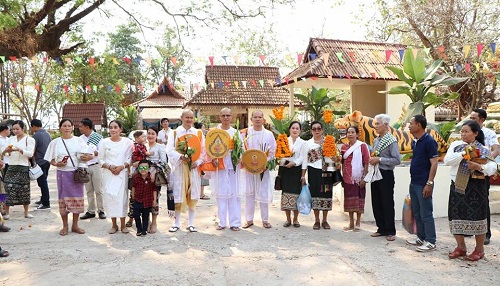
{"x": 144, "y": 192}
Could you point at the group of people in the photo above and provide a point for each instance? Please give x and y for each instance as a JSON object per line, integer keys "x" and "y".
{"x": 116, "y": 164}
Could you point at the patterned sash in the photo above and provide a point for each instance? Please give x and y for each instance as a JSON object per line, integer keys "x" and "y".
{"x": 385, "y": 142}
{"x": 94, "y": 139}
{"x": 463, "y": 173}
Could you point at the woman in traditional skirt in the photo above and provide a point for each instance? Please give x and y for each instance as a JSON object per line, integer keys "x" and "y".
{"x": 355, "y": 158}
{"x": 115, "y": 154}
{"x": 17, "y": 180}
{"x": 468, "y": 201}
{"x": 4, "y": 137}
{"x": 66, "y": 153}
{"x": 320, "y": 180}
{"x": 290, "y": 175}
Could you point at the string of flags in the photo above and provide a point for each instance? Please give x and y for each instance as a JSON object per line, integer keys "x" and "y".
{"x": 387, "y": 56}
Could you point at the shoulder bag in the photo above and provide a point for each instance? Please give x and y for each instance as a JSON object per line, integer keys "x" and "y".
{"x": 81, "y": 175}
{"x": 35, "y": 171}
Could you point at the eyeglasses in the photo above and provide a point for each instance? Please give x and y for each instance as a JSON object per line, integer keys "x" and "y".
{"x": 225, "y": 115}
{"x": 317, "y": 129}
{"x": 143, "y": 168}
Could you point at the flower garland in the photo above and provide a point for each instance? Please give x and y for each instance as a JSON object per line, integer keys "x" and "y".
{"x": 282, "y": 146}
{"x": 329, "y": 144}
{"x": 278, "y": 112}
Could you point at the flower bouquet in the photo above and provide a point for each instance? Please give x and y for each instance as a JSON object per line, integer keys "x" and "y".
{"x": 236, "y": 145}
{"x": 185, "y": 150}
{"x": 329, "y": 144}
{"x": 477, "y": 156}
{"x": 282, "y": 147}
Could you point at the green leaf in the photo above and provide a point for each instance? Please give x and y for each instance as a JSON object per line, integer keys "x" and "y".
{"x": 414, "y": 108}
{"x": 453, "y": 80}
{"x": 401, "y": 75}
{"x": 402, "y": 89}
{"x": 432, "y": 69}
{"x": 414, "y": 67}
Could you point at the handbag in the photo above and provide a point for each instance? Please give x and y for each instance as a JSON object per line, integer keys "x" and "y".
{"x": 337, "y": 177}
{"x": 373, "y": 174}
{"x": 80, "y": 175}
{"x": 162, "y": 174}
{"x": 35, "y": 171}
{"x": 304, "y": 202}
{"x": 277, "y": 181}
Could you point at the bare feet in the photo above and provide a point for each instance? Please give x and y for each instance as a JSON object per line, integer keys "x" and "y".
{"x": 125, "y": 230}
{"x": 153, "y": 228}
{"x": 63, "y": 232}
{"x": 113, "y": 229}
{"x": 77, "y": 230}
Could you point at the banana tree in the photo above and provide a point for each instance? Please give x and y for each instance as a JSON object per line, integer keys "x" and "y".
{"x": 420, "y": 82}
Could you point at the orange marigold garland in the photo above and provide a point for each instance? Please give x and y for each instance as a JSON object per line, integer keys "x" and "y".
{"x": 282, "y": 148}
{"x": 328, "y": 116}
{"x": 278, "y": 112}
{"x": 329, "y": 146}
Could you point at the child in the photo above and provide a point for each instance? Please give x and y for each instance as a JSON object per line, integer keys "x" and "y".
{"x": 144, "y": 196}
{"x": 140, "y": 153}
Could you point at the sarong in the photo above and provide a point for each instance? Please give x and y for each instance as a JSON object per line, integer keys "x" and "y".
{"x": 17, "y": 185}
{"x": 70, "y": 193}
{"x": 354, "y": 198}
{"x": 467, "y": 212}
{"x": 291, "y": 187}
{"x": 320, "y": 186}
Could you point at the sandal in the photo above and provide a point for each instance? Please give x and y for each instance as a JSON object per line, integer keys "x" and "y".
{"x": 391, "y": 238}
{"x": 296, "y": 224}
{"x": 287, "y": 224}
{"x": 316, "y": 225}
{"x": 234, "y": 228}
{"x": 220, "y": 227}
{"x": 375, "y": 234}
{"x": 248, "y": 224}
{"x": 63, "y": 232}
{"x": 3, "y": 253}
{"x": 113, "y": 230}
{"x": 78, "y": 230}
{"x": 357, "y": 229}
{"x": 173, "y": 229}
{"x": 192, "y": 229}
{"x": 125, "y": 230}
{"x": 457, "y": 252}
{"x": 348, "y": 228}
{"x": 204, "y": 197}
{"x": 475, "y": 256}
{"x": 325, "y": 225}
{"x": 129, "y": 223}
{"x": 266, "y": 225}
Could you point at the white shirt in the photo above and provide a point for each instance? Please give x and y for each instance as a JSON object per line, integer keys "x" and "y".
{"x": 3, "y": 145}
{"x": 91, "y": 149}
{"x": 309, "y": 144}
{"x": 490, "y": 137}
{"x": 163, "y": 136}
{"x": 27, "y": 144}
{"x": 453, "y": 159}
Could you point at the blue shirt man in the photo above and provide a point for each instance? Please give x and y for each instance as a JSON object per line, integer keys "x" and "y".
{"x": 422, "y": 172}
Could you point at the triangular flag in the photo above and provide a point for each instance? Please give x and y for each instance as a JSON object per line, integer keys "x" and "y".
{"x": 477, "y": 66}
{"x": 479, "y": 49}
{"x": 37, "y": 87}
{"x": 66, "y": 89}
{"x": 286, "y": 80}
{"x": 102, "y": 60}
{"x": 236, "y": 60}
{"x": 493, "y": 47}
{"x": 288, "y": 59}
{"x": 261, "y": 81}
{"x": 212, "y": 84}
{"x": 127, "y": 60}
{"x": 109, "y": 88}
{"x": 225, "y": 59}
{"x": 221, "y": 84}
{"x": 138, "y": 60}
{"x": 295, "y": 79}
{"x": 451, "y": 68}
{"x": 244, "y": 82}
{"x": 148, "y": 61}
{"x": 467, "y": 68}
{"x": 58, "y": 60}
{"x": 459, "y": 67}
{"x": 88, "y": 88}
{"x": 441, "y": 52}
{"x": 427, "y": 51}
{"x": 374, "y": 75}
{"x": 173, "y": 60}
{"x": 278, "y": 80}
{"x": 34, "y": 59}
{"x": 196, "y": 87}
{"x": 94, "y": 88}
{"x": 13, "y": 58}
{"x": 376, "y": 54}
{"x": 312, "y": 56}
{"x": 140, "y": 87}
{"x": 211, "y": 59}
{"x": 339, "y": 56}
{"x": 262, "y": 58}
{"x": 330, "y": 78}
{"x": 254, "y": 83}
{"x": 91, "y": 61}
{"x": 415, "y": 52}
{"x": 117, "y": 88}
{"x": 227, "y": 84}
{"x": 326, "y": 57}
{"x": 401, "y": 54}
{"x": 270, "y": 82}
{"x": 78, "y": 59}
{"x": 68, "y": 60}
{"x": 45, "y": 59}
{"x": 466, "y": 51}
{"x": 351, "y": 55}
{"x": 115, "y": 61}
{"x": 299, "y": 58}
{"x": 348, "y": 76}
{"x": 44, "y": 88}
{"x": 388, "y": 54}
{"x": 237, "y": 84}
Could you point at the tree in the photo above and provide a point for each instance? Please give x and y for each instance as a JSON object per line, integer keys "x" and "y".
{"x": 32, "y": 26}
{"x": 446, "y": 28}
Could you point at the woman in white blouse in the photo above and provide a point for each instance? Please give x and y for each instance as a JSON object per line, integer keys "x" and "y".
{"x": 159, "y": 154}
{"x": 17, "y": 181}
{"x": 290, "y": 174}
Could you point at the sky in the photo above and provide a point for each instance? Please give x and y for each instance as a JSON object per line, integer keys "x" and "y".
{"x": 293, "y": 26}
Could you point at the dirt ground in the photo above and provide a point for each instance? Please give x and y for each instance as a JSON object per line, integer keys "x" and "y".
{"x": 257, "y": 256}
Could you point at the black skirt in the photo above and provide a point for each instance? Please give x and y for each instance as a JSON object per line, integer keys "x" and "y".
{"x": 467, "y": 213}
{"x": 291, "y": 186}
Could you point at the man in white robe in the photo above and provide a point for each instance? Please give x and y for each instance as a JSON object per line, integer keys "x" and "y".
{"x": 226, "y": 182}
{"x": 186, "y": 182}
{"x": 259, "y": 187}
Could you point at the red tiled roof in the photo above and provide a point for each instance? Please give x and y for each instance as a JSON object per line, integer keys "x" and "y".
{"x": 241, "y": 85}
{"x": 165, "y": 95}
{"x": 361, "y": 60}
{"x": 77, "y": 111}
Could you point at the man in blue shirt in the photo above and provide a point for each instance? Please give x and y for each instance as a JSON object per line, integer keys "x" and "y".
{"x": 42, "y": 139}
{"x": 423, "y": 169}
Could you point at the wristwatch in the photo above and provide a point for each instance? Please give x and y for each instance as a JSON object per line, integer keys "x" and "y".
{"x": 430, "y": 183}
{"x": 482, "y": 168}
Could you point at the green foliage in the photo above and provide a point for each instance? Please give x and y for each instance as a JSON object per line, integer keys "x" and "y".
{"x": 281, "y": 126}
{"x": 444, "y": 129}
{"x": 128, "y": 116}
{"x": 316, "y": 101}
{"x": 420, "y": 80}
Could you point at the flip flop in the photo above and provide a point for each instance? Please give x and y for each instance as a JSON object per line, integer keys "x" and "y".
{"x": 325, "y": 225}
{"x": 348, "y": 228}
{"x": 191, "y": 229}
{"x": 375, "y": 234}
{"x": 204, "y": 197}
{"x": 357, "y": 229}
{"x": 125, "y": 230}
{"x": 248, "y": 224}
{"x": 296, "y": 224}
{"x": 129, "y": 223}
{"x": 113, "y": 230}
{"x": 3, "y": 253}
{"x": 173, "y": 229}
{"x": 391, "y": 238}
{"x": 234, "y": 228}
{"x": 266, "y": 225}
{"x": 287, "y": 224}
{"x": 78, "y": 230}
{"x": 316, "y": 226}
{"x": 63, "y": 232}
{"x": 220, "y": 227}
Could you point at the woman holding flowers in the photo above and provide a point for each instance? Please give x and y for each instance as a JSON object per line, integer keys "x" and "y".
{"x": 470, "y": 161}
{"x": 290, "y": 173}
{"x": 320, "y": 180}
{"x": 355, "y": 157}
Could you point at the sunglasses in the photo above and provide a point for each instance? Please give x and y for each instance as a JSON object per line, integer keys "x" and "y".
{"x": 317, "y": 129}
{"x": 143, "y": 168}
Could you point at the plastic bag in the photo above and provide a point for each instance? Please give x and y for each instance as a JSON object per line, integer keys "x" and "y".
{"x": 304, "y": 202}
{"x": 408, "y": 220}
{"x": 373, "y": 174}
